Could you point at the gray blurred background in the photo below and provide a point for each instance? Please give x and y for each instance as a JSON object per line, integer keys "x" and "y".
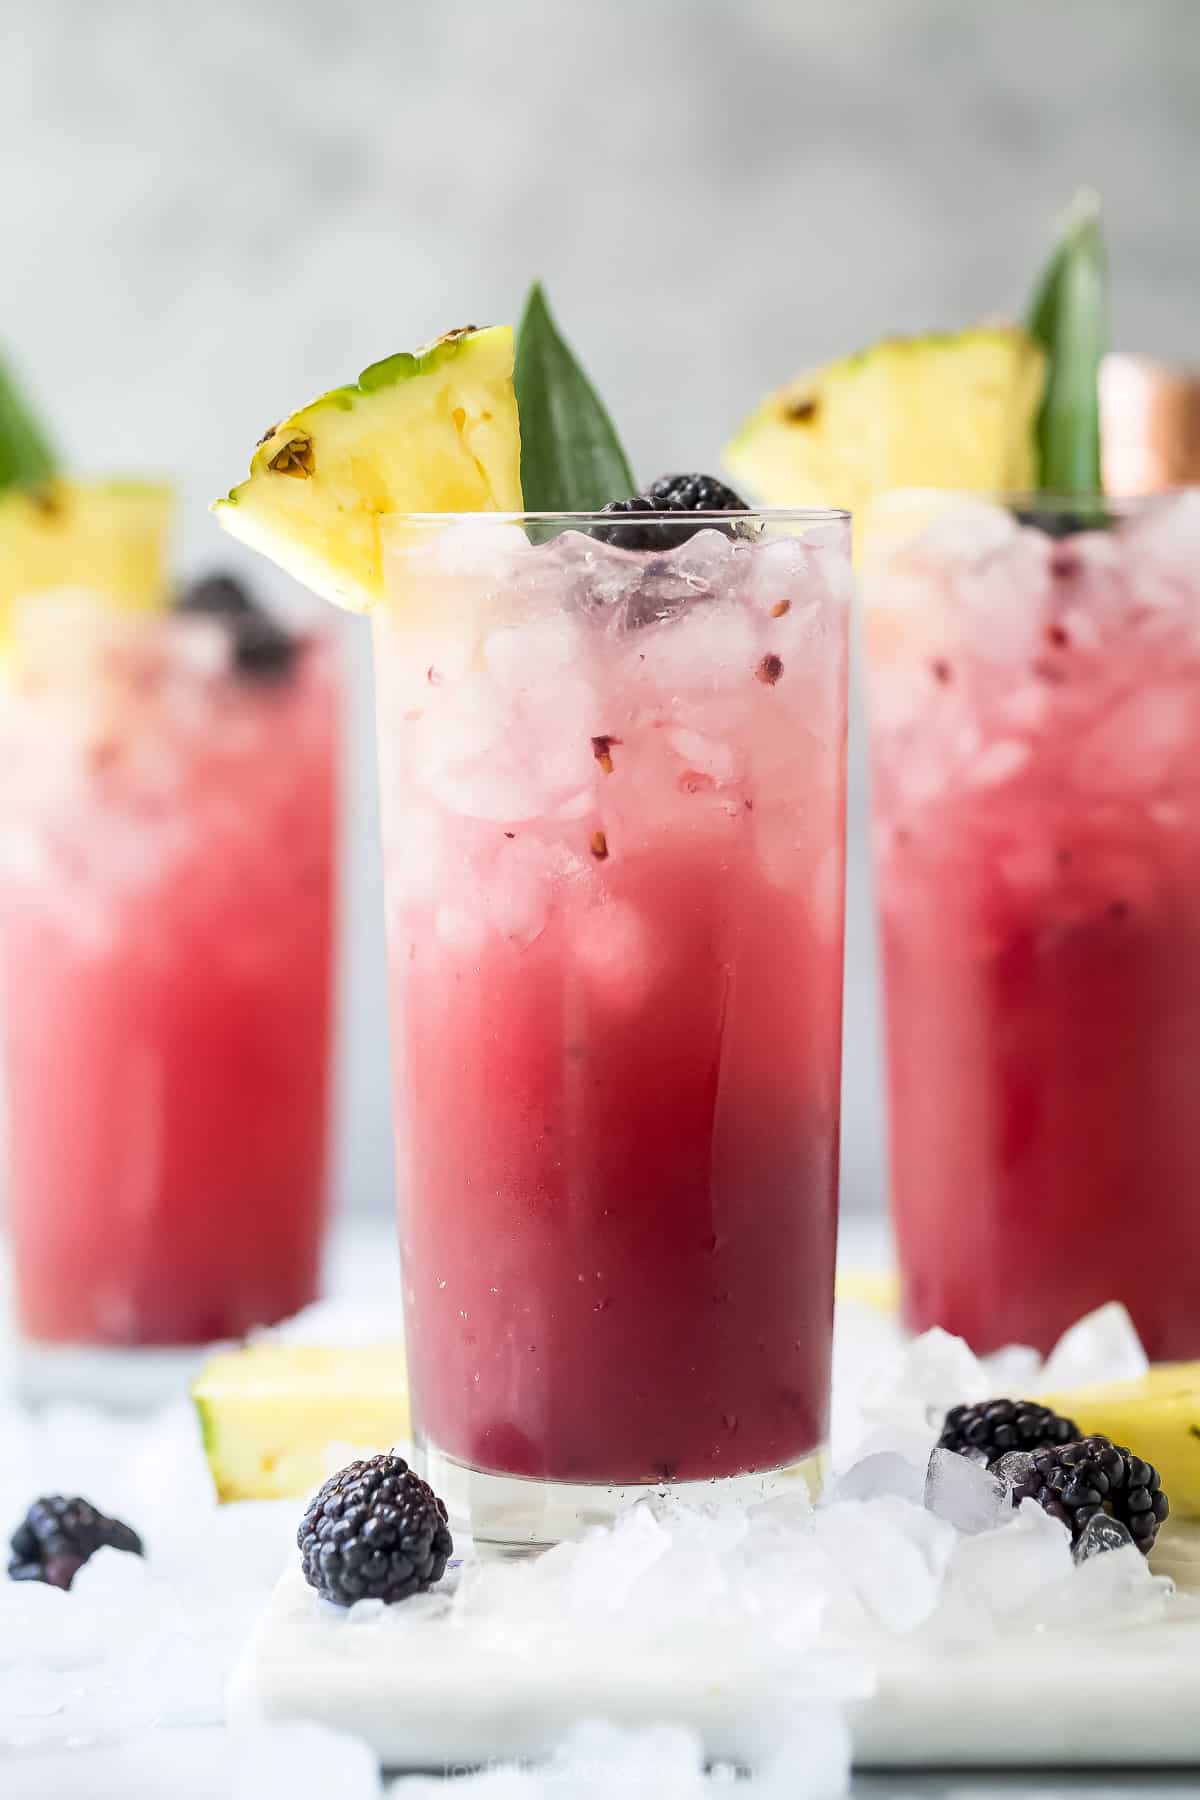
{"x": 212, "y": 209}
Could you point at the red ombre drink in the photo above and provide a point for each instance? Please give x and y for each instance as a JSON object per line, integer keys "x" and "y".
{"x": 1035, "y": 692}
{"x": 613, "y": 807}
{"x": 166, "y": 840}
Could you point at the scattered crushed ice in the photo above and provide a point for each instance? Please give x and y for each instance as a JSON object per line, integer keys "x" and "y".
{"x": 796, "y": 1602}
{"x": 136, "y": 1642}
{"x": 1104, "y": 1346}
{"x": 998, "y": 1572}
{"x": 965, "y": 1494}
{"x": 1101, "y": 1534}
{"x": 1014, "y": 1468}
{"x": 919, "y": 1386}
{"x": 880, "y": 1473}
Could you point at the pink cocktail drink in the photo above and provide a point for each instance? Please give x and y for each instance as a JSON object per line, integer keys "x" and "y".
{"x": 165, "y": 920}
{"x": 613, "y": 804}
{"x": 1036, "y": 731}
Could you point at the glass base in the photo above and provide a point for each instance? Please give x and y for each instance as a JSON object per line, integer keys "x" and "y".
{"x": 126, "y": 1380}
{"x": 513, "y": 1515}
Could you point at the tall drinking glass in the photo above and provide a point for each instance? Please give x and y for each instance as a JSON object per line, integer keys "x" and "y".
{"x": 166, "y": 891}
{"x": 613, "y": 816}
{"x": 1034, "y": 678}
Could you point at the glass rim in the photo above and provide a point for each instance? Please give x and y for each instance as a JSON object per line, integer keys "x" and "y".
{"x": 806, "y": 515}
{"x": 1032, "y": 500}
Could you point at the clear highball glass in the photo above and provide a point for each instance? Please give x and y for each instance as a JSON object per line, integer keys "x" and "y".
{"x": 1034, "y": 678}
{"x": 613, "y": 793}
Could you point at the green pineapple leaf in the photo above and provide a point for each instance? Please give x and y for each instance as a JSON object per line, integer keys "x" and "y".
{"x": 1069, "y": 318}
{"x": 571, "y": 456}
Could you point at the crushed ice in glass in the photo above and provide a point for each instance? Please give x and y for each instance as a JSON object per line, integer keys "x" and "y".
{"x": 784, "y": 1600}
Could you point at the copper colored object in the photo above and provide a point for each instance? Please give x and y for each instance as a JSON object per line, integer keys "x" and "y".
{"x": 1150, "y": 424}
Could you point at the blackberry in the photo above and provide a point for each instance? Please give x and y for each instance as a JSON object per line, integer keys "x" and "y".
{"x": 991, "y": 1429}
{"x": 222, "y": 596}
{"x": 1075, "y": 1482}
{"x": 670, "y": 494}
{"x": 375, "y": 1531}
{"x": 262, "y": 649}
{"x": 693, "y": 493}
{"x": 628, "y": 533}
{"x": 57, "y": 1536}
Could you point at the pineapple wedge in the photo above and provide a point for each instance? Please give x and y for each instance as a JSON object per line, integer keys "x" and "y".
{"x": 952, "y": 410}
{"x": 111, "y": 538}
{"x": 270, "y": 1413}
{"x": 1157, "y": 1416}
{"x": 435, "y": 431}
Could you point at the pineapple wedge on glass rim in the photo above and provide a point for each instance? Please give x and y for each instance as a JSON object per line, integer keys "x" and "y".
{"x": 952, "y": 410}
{"x": 430, "y": 431}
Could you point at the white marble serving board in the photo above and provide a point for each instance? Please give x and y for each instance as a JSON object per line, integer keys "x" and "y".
{"x": 439, "y": 1700}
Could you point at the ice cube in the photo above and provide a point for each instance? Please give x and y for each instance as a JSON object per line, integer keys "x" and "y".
{"x": 1014, "y": 1370}
{"x": 304, "y": 1760}
{"x": 617, "y": 953}
{"x": 524, "y": 658}
{"x": 518, "y": 889}
{"x": 999, "y": 1572}
{"x": 498, "y": 790}
{"x": 462, "y": 929}
{"x": 708, "y": 756}
{"x": 1103, "y": 1346}
{"x": 1005, "y": 601}
{"x": 1161, "y": 546}
{"x": 685, "y": 1584}
{"x": 466, "y": 753}
{"x": 966, "y": 1495}
{"x": 1014, "y": 1468}
{"x": 879, "y": 1473}
{"x": 720, "y": 1527}
{"x": 1115, "y": 1591}
{"x": 890, "y": 1554}
{"x": 1101, "y": 1534}
{"x": 911, "y": 1444}
{"x": 1138, "y": 742}
{"x": 919, "y": 1386}
{"x": 609, "y": 1565}
{"x": 478, "y": 545}
{"x": 1105, "y": 1593}
{"x": 790, "y": 1511}
{"x": 602, "y": 582}
{"x": 698, "y": 653}
{"x": 999, "y": 762}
